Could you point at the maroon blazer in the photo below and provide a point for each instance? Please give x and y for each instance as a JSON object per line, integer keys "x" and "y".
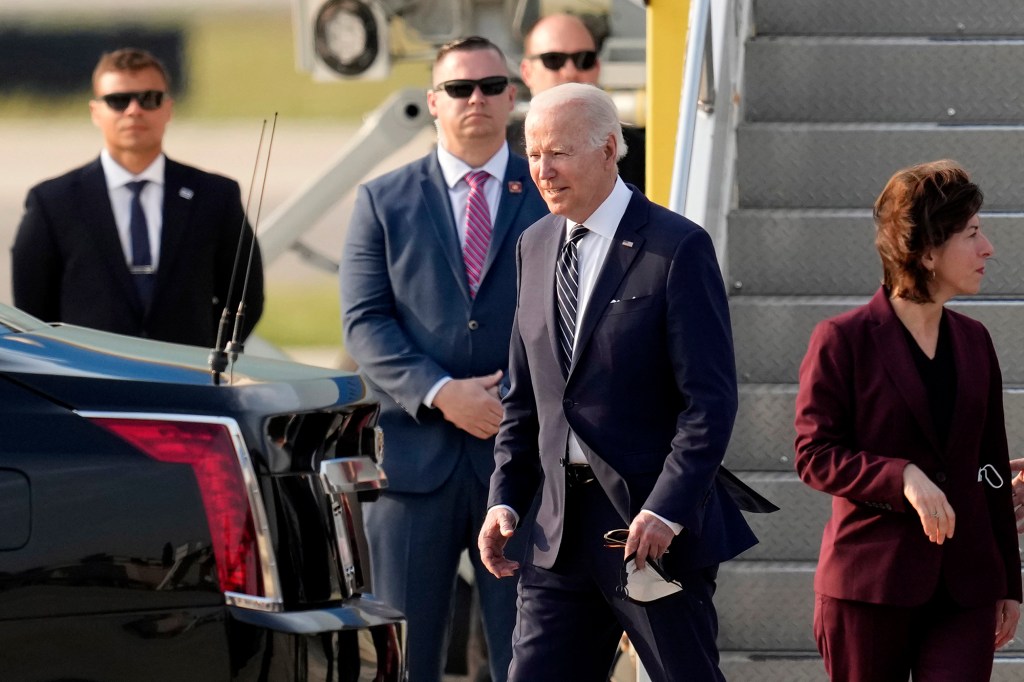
{"x": 862, "y": 416}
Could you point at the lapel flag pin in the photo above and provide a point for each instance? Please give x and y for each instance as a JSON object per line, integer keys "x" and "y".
{"x": 628, "y": 244}
{"x": 515, "y": 187}
{"x": 186, "y": 193}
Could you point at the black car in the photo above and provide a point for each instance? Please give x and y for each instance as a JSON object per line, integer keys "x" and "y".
{"x": 158, "y": 525}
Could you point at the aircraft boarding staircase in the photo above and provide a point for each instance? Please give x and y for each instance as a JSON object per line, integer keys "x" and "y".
{"x": 836, "y": 96}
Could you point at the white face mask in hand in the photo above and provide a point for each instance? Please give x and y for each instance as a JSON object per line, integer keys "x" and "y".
{"x": 647, "y": 585}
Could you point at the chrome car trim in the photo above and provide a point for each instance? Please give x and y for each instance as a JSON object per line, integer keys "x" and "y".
{"x": 352, "y": 475}
{"x": 272, "y": 600}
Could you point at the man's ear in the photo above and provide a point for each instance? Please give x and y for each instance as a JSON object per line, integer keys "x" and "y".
{"x": 611, "y": 148}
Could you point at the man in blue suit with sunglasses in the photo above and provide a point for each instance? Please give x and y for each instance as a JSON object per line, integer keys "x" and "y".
{"x": 428, "y": 291}
{"x": 134, "y": 242}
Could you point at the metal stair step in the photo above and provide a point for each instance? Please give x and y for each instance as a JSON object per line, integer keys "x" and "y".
{"x": 784, "y": 252}
{"x": 751, "y": 666}
{"x": 794, "y": 532}
{"x": 845, "y": 79}
{"x": 885, "y": 17}
{"x": 762, "y": 440}
{"x": 799, "y": 165}
{"x": 769, "y": 606}
{"x": 765, "y": 606}
{"x": 771, "y": 332}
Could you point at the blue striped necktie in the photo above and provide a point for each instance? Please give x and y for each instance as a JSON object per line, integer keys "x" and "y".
{"x": 567, "y": 283}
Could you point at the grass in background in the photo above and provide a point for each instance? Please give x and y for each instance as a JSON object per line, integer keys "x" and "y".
{"x": 302, "y": 314}
{"x": 243, "y": 65}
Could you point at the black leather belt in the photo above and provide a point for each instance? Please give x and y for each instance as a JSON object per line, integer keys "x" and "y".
{"x": 578, "y": 474}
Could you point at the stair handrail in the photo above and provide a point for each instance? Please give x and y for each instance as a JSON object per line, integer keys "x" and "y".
{"x": 704, "y": 164}
{"x": 698, "y": 93}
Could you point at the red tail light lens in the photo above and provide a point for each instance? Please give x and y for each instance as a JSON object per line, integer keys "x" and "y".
{"x": 210, "y": 451}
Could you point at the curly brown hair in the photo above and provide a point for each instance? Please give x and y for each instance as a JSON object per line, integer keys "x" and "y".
{"x": 920, "y": 208}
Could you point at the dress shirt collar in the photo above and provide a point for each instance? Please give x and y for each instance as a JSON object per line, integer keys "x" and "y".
{"x": 454, "y": 168}
{"x": 605, "y": 220}
{"x": 117, "y": 176}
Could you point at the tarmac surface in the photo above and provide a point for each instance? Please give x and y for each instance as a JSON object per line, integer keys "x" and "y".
{"x": 34, "y": 150}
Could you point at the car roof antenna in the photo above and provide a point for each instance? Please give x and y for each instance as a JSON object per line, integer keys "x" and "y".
{"x": 223, "y": 350}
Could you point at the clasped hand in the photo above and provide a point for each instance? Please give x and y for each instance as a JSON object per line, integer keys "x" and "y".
{"x": 472, "y": 404}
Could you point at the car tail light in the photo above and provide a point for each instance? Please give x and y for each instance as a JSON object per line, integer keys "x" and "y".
{"x": 227, "y": 484}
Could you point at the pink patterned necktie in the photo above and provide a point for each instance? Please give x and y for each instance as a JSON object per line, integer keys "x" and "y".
{"x": 478, "y": 228}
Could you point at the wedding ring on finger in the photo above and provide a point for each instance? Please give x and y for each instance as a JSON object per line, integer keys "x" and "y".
{"x": 935, "y": 514}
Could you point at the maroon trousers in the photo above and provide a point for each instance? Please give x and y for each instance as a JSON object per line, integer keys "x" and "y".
{"x": 939, "y": 641}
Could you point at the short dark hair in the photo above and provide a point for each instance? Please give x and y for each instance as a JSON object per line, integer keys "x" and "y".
{"x": 128, "y": 59}
{"x": 468, "y": 44}
{"x": 920, "y": 208}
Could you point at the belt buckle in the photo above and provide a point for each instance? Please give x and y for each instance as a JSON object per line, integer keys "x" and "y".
{"x": 578, "y": 474}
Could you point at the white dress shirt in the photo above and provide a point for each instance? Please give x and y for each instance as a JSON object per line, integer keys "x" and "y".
{"x": 593, "y": 250}
{"x": 454, "y": 170}
{"x": 152, "y": 199}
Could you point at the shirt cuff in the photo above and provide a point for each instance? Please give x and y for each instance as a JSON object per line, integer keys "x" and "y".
{"x": 513, "y": 511}
{"x": 677, "y": 528}
{"x": 428, "y": 400}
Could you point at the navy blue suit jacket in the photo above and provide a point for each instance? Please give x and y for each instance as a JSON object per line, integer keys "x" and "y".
{"x": 651, "y": 393}
{"x": 68, "y": 264}
{"x": 409, "y": 318}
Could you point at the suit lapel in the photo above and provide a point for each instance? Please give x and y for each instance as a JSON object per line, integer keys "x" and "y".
{"x": 509, "y": 203}
{"x": 891, "y": 345}
{"x": 554, "y": 236}
{"x": 437, "y": 209}
{"x": 95, "y": 202}
{"x": 177, "y": 211}
{"x": 625, "y": 247}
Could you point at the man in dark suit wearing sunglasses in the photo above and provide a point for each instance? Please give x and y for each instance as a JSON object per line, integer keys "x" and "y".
{"x": 560, "y": 48}
{"x": 134, "y": 242}
{"x": 428, "y": 281}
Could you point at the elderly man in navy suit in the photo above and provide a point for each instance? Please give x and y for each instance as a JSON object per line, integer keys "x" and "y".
{"x": 134, "y": 242}
{"x": 622, "y": 400}
{"x": 428, "y": 297}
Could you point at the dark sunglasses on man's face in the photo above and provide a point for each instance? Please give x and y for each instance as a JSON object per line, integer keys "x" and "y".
{"x": 147, "y": 99}
{"x": 584, "y": 61}
{"x": 461, "y": 89}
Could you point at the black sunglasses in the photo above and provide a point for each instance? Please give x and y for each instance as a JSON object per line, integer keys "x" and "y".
{"x": 147, "y": 99}
{"x": 461, "y": 89}
{"x": 584, "y": 61}
{"x": 616, "y": 539}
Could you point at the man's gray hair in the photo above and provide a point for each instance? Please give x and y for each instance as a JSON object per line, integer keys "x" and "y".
{"x": 598, "y": 110}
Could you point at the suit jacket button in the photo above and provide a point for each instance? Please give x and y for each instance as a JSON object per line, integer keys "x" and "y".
{"x": 473, "y": 325}
{"x": 567, "y": 403}
{"x": 940, "y": 477}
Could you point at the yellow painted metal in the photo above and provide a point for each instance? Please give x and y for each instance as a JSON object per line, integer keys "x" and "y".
{"x": 667, "y": 33}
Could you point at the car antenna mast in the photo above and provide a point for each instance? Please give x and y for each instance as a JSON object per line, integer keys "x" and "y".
{"x": 223, "y": 349}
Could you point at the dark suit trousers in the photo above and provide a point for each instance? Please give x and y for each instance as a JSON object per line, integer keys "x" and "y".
{"x": 416, "y": 540}
{"x": 937, "y": 642}
{"x": 571, "y": 616}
